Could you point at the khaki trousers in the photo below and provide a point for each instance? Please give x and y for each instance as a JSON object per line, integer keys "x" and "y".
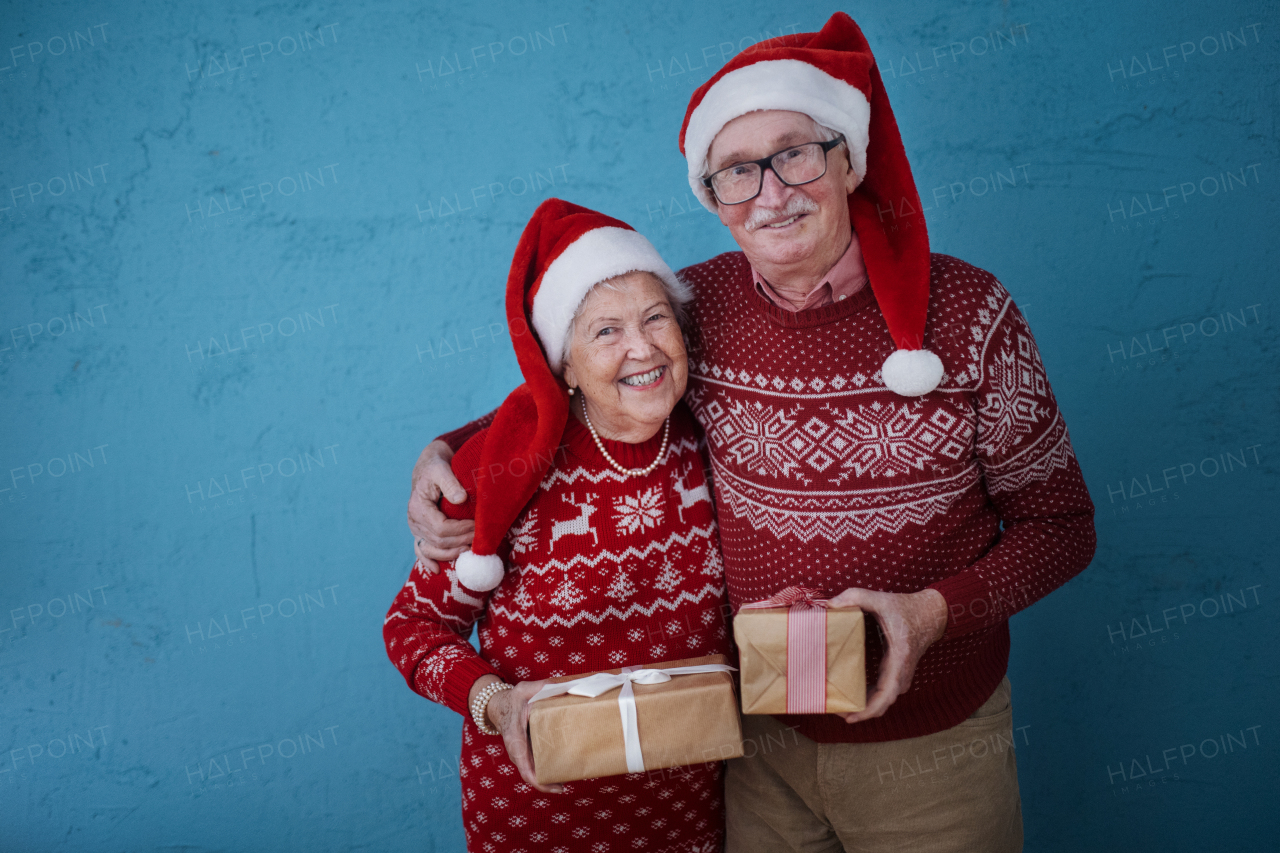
{"x": 955, "y": 791}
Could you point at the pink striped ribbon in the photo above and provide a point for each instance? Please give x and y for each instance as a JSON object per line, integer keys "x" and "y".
{"x": 806, "y": 647}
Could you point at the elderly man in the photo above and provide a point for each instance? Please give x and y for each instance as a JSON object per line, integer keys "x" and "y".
{"x": 881, "y": 429}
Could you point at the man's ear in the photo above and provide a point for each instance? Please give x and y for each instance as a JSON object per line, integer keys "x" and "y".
{"x": 850, "y": 176}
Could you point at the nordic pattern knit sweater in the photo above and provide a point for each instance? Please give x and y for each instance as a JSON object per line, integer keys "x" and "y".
{"x": 824, "y": 477}
{"x": 602, "y": 572}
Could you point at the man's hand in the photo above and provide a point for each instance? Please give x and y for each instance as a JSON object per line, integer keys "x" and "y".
{"x": 911, "y": 622}
{"x": 508, "y": 712}
{"x": 436, "y": 537}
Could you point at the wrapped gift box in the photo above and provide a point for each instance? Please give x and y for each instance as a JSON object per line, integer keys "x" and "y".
{"x": 690, "y": 719}
{"x": 761, "y": 635}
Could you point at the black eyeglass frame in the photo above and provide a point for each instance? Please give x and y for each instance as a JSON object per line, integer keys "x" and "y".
{"x": 767, "y": 163}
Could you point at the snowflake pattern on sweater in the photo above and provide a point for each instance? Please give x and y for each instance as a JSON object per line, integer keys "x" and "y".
{"x": 827, "y": 479}
{"x": 603, "y": 571}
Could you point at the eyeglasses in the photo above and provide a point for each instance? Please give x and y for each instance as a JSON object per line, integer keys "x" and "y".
{"x": 742, "y": 182}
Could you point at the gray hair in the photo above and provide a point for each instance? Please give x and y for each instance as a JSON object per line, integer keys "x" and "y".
{"x": 825, "y": 132}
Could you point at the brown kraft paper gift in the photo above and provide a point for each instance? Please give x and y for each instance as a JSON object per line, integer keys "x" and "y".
{"x": 691, "y": 719}
{"x": 761, "y": 636}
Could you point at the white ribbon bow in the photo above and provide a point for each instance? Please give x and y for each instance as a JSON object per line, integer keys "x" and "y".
{"x": 600, "y": 683}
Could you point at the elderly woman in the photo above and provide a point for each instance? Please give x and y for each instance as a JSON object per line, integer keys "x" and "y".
{"x": 595, "y": 544}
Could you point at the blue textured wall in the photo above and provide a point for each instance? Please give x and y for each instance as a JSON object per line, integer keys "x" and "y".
{"x": 252, "y": 261}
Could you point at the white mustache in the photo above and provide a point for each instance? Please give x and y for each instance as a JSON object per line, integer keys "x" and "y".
{"x": 762, "y": 216}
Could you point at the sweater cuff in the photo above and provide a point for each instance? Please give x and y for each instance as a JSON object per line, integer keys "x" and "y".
{"x": 968, "y": 603}
{"x": 457, "y": 685}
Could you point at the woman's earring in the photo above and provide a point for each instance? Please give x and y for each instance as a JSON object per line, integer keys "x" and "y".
{"x": 571, "y": 390}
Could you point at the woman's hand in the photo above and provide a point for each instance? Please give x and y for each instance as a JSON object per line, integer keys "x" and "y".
{"x": 508, "y": 712}
{"x": 436, "y": 537}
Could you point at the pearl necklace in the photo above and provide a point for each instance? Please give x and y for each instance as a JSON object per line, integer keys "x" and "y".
{"x": 628, "y": 472}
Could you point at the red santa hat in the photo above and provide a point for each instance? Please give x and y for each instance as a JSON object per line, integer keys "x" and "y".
{"x": 565, "y": 250}
{"x": 832, "y": 77}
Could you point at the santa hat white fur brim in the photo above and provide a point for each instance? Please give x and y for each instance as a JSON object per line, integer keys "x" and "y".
{"x": 597, "y": 255}
{"x": 780, "y": 84}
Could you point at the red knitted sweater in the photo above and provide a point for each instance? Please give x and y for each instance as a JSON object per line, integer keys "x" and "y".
{"x": 602, "y": 572}
{"x": 824, "y": 477}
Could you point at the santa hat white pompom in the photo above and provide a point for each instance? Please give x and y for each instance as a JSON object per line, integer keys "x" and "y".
{"x": 911, "y": 372}
{"x": 479, "y": 572}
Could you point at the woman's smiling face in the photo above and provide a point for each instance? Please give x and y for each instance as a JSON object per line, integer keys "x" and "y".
{"x": 627, "y": 357}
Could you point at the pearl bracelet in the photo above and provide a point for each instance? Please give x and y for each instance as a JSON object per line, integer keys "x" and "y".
{"x": 481, "y": 703}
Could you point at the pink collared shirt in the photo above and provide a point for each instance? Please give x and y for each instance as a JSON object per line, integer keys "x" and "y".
{"x": 846, "y": 278}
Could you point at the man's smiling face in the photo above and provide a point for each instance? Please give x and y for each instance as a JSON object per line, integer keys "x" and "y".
{"x": 784, "y": 225}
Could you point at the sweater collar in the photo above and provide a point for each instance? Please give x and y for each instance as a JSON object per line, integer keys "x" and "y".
{"x": 580, "y": 443}
{"x": 843, "y": 280}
